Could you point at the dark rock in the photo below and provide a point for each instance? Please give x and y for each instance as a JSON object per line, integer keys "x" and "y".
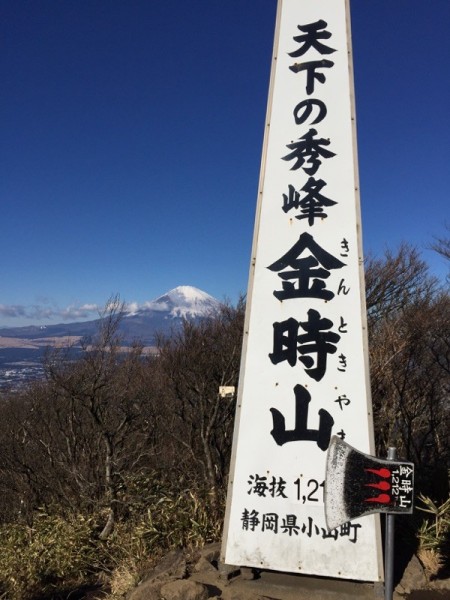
{"x": 172, "y": 566}
{"x": 149, "y": 590}
{"x": 414, "y": 577}
{"x": 203, "y": 565}
{"x": 183, "y": 589}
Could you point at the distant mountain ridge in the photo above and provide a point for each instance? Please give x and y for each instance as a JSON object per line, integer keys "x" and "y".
{"x": 159, "y": 315}
{"x": 22, "y": 348}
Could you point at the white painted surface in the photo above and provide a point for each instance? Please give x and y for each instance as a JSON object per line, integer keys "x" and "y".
{"x": 288, "y": 531}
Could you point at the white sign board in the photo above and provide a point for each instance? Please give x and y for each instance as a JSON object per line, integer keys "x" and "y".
{"x": 304, "y": 373}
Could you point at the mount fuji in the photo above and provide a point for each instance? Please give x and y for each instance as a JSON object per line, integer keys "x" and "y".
{"x": 167, "y": 312}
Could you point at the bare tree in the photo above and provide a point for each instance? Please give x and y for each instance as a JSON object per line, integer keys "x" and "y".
{"x": 195, "y": 362}
{"x": 409, "y": 333}
{"x": 442, "y": 245}
{"x": 103, "y": 396}
{"x": 395, "y": 280}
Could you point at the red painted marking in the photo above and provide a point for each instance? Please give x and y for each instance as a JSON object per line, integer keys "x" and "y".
{"x": 385, "y": 473}
{"x": 383, "y": 485}
{"x": 382, "y": 499}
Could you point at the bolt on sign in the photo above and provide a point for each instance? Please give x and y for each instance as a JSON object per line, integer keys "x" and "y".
{"x": 304, "y": 373}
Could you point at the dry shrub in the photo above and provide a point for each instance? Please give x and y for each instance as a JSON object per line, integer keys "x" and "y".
{"x": 62, "y": 550}
{"x": 52, "y": 550}
{"x": 124, "y": 579}
{"x": 431, "y": 560}
{"x": 433, "y": 535}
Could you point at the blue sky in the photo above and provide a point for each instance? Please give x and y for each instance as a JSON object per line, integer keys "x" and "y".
{"x": 131, "y": 143}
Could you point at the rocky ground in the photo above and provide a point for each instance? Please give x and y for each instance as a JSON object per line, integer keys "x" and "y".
{"x": 201, "y": 577}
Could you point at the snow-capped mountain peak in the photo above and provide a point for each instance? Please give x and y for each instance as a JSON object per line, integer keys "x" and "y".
{"x": 184, "y": 301}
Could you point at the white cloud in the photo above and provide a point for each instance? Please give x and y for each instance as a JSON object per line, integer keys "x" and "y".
{"x": 155, "y": 305}
{"x": 90, "y": 307}
{"x": 73, "y": 312}
{"x": 12, "y": 310}
{"x": 40, "y": 313}
{"x": 132, "y": 308}
{"x": 51, "y": 313}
